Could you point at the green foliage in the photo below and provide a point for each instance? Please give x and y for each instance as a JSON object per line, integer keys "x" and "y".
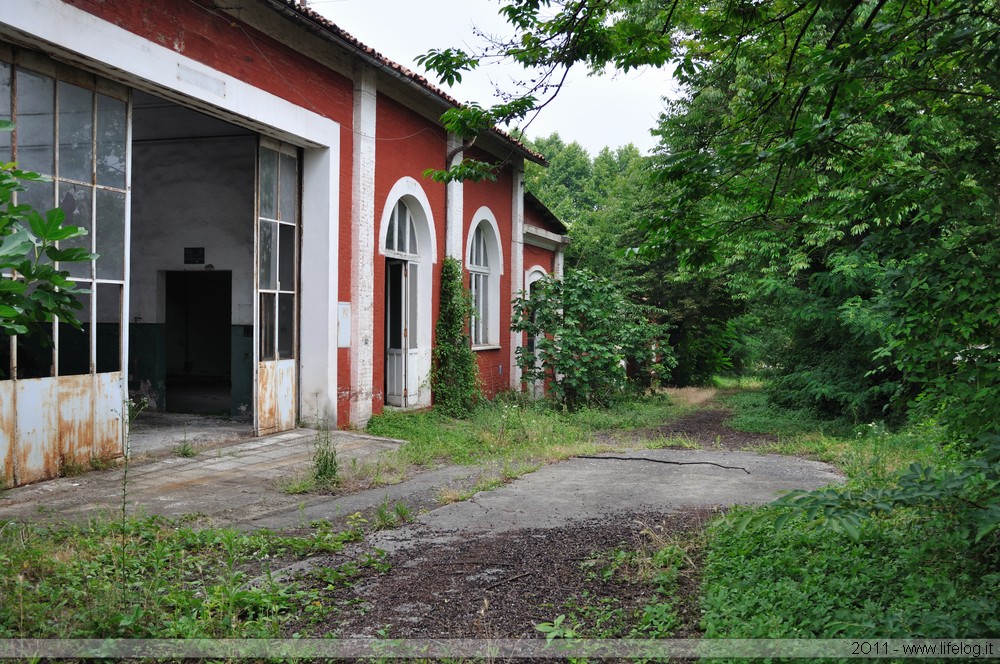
{"x": 65, "y": 581}
{"x": 455, "y": 377}
{"x": 585, "y": 335}
{"x": 900, "y": 577}
{"x": 29, "y": 247}
{"x": 605, "y": 201}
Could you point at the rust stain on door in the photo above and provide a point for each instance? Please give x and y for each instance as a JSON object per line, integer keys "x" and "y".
{"x": 7, "y": 433}
{"x": 36, "y": 417}
{"x": 277, "y": 396}
{"x": 76, "y": 419}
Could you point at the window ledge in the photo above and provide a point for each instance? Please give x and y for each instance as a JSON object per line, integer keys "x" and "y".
{"x": 486, "y": 347}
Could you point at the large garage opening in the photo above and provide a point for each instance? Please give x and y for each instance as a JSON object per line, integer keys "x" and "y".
{"x": 192, "y": 261}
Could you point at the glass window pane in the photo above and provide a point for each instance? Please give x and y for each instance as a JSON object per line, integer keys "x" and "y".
{"x": 268, "y": 183}
{"x": 411, "y": 323}
{"x": 390, "y": 235}
{"x": 394, "y": 304}
{"x": 76, "y": 132}
{"x": 288, "y": 187}
{"x": 267, "y": 323}
{"x": 76, "y": 201}
{"x": 5, "y": 114}
{"x": 286, "y": 326}
{"x": 268, "y": 255}
{"x": 34, "y": 354}
{"x": 411, "y": 234}
{"x": 112, "y": 132}
{"x": 110, "y": 231}
{"x": 109, "y": 327}
{"x": 35, "y": 122}
{"x": 39, "y": 195}
{"x": 286, "y": 257}
{"x": 74, "y": 345}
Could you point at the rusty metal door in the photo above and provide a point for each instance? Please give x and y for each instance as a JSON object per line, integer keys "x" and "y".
{"x": 276, "y": 303}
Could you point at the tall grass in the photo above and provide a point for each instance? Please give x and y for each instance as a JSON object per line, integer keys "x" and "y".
{"x": 513, "y": 428}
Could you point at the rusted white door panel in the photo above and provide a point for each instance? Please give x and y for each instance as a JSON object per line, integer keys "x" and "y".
{"x": 7, "y": 433}
{"x": 412, "y": 377}
{"x": 276, "y": 396}
{"x": 110, "y": 414}
{"x": 76, "y": 418}
{"x": 394, "y": 374}
{"x": 36, "y": 455}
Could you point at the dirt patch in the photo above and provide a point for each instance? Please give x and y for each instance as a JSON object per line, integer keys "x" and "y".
{"x": 503, "y": 586}
{"x": 705, "y": 428}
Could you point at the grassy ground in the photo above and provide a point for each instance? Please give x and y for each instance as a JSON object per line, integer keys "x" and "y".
{"x": 909, "y": 574}
{"x": 511, "y": 436}
{"x": 152, "y": 577}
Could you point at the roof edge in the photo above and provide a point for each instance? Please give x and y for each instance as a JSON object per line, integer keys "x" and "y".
{"x": 301, "y": 11}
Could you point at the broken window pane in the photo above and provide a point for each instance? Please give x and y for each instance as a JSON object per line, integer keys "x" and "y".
{"x": 286, "y": 326}
{"x": 268, "y": 183}
{"x": 112, "y": 130}
{"x": 35, "y": 122}
{"x": 268, "y": 255}
{"x": 74, "y": 345}
{"x": 76, "y": 200}
{"x": 267, "y": 326}
{"x": 288, "y": 189}
{"x": 109, "y": 327}
{"x": 76, "y": 132}
{"x": 34, "y": 353}
{"x": 110, "y": 234}
{"x": 286, "y": 257}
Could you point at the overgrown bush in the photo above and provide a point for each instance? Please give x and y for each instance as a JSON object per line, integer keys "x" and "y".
{"x": 586, "y": 334}
{"x": 455, "y": 375}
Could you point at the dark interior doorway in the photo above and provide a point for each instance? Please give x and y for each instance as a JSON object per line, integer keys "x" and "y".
{"x": 198, "y": 343}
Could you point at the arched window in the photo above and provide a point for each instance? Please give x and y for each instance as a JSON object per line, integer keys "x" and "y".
{"x": 401, "y": 236}
{"x": 485, "y": 266}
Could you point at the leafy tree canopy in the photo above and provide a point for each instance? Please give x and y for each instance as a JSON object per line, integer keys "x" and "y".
{"x": 846, "y": 148}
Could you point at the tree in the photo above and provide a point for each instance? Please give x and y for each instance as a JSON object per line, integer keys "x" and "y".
{"x": 607, "y": 201}
{"x": 585, "y": 336}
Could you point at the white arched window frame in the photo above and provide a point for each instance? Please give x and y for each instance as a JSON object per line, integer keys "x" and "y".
{"x": 484, "y": 261}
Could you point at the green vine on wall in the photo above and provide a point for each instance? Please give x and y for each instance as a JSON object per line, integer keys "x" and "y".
{"x": 455, "y": 376}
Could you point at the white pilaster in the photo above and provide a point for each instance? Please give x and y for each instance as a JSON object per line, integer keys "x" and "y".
{"x": 455, "y": 202}
{"x": 362, "y": 351}
{"x": 516, "y": 263}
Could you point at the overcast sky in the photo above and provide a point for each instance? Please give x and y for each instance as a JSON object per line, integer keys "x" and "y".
{"x": 594, "y": 111}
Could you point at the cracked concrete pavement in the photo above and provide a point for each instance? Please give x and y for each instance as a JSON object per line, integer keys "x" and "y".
{"x": 239, "y": 485}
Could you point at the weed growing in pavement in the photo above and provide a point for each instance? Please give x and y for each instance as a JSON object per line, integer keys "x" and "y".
{"x": 185, "y": 450}
{"x": 326, "y": 467}
{"x": 63, "y": 580}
